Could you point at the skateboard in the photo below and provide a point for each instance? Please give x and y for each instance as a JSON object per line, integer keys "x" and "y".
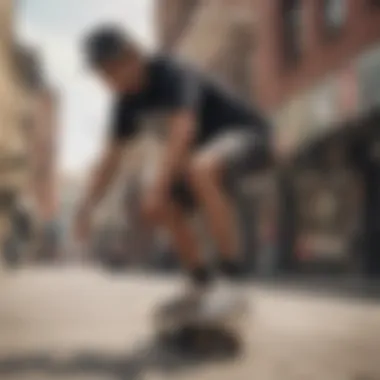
{"x": 192, "y": 328}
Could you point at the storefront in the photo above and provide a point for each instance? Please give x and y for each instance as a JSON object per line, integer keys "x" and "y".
{"x": 333, "y": 180}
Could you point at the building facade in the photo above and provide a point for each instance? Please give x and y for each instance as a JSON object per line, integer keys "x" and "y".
{"x": 13, "y": 147}
{"x": 317, "y": 67}
{"x": 28, "y": 150}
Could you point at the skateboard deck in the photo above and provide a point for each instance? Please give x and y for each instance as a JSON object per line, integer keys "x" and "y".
{"x": 199, "y": 328}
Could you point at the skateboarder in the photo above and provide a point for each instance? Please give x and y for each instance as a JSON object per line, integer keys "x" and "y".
{"x": 211, "y": 137}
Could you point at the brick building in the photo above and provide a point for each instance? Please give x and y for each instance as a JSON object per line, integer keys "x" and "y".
{"x": 314, "y": 67}
{"x": 303, "y": 41}
{"x": 317, "y": 65}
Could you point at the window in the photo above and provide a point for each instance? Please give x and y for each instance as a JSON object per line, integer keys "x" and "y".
{"x": 292, "y": 33}
{"x": 335, "y": 14}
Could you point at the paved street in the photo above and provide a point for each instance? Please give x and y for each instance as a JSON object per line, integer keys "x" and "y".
{"x": 82, "y": 324}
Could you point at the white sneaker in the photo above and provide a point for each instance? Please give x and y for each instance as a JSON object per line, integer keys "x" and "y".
{"x": 221, "y": 301}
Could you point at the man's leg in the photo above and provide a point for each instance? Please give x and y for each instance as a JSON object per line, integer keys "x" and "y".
{"x": 218, "y": 208}
{"x": 209, "y": 169}
{"x": 172, "y": 216}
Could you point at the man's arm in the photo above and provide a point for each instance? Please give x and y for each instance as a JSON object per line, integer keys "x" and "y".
{"x": 182, "y": 94}
{"x": 182, "y": 131}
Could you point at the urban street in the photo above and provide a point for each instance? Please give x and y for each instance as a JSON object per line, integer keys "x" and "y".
{"x": 79, "y": 324}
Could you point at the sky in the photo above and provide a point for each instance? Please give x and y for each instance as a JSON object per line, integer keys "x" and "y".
{"x": 55, "y": 28}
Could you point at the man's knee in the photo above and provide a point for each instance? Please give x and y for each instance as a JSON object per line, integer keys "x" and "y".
{"x": 153, "y": 211}
{"x": 205, "y": 167}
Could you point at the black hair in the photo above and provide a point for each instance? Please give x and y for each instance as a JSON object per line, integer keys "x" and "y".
{"x": 105, "y": 43}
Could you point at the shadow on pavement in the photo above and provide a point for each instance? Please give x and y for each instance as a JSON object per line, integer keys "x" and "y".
{"x": 133, "y": 366}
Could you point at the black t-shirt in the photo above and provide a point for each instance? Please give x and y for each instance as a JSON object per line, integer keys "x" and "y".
{"x": 174, "y": 87}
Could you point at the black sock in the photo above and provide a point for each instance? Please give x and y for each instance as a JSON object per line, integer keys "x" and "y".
{"x": 231, "y": 268}
{"x": 201, "y": 276}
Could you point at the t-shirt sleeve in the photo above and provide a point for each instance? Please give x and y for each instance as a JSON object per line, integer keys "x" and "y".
{"x": 123, "y": 121}
{"x": 182, "y": 87}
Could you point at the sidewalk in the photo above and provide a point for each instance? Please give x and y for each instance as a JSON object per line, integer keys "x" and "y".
{"x": 327, "y": 285}
{"x": 76, "y": 324}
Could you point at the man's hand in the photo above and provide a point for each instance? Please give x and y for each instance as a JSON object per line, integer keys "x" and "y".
{"x": 103, "y": 175}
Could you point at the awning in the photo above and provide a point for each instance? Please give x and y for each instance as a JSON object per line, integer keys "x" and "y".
{"x": 352, "y": 131}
